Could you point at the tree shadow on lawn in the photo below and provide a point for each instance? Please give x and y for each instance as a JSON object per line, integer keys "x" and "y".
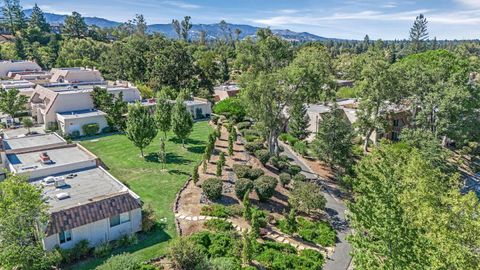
{"x": 187, "y": 141}
{"x": 196, "y": 149}
{"x": 178, "y": 172}
{"x": 171, "y": 158}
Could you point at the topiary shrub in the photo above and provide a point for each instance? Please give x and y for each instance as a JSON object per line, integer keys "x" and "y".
{"x": 241, "y": 170}
{"x": 294, "y": 169}
{"x": 251, "y": 147}
{"x": 214, "y": 210}
{"x": 212, "y": 188}
{"x": 90, "y": 129}
{"x": 263, "y": 156}
{"x": 255, "y": 173}
{"x": 285, "y": 179}
{"x": 299, "y": 178}
{"x": 251, "y": 138}
{"x": 242, "y": 186}
{"x": 218, "y": 225}
{"x": 265, "y": 187}
{"x": 244, "y": 125}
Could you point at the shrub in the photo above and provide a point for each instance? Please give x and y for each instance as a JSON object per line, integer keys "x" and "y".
{"x": 251, "y": 147}
{"x": 313, "y": 258}
{"x": 242, "y": 186}
{"x": 283, "y": 137}
{"x": 265, "y": 187}
{"x": 244, "y": 125}
{"x": 255, "y": 173}
{"x": 107, "y": 129}
{"x": 234, "y": 210}
{"x": 195, "y": 175}
{"x": 263, "y": 156}
{"x": 251, "y": 138}
{"x": 218, "y": 225}
{"x": 90, "y": 129}
{"x": 299, "y": 178}
{"x": 102, "y": 250}
{"x": 251, "y": 132}
{"x": 149, "y": 218}
{"x": 294, "y": 169}
{"x": 127, "y": 240}
{"x": 225, "y": 263}
{"x": 81, "y": 249}
{"x": 288, "y": 138}
{"x": 320, "y": 233}
{"x": 280, "y": 162}
{"x": 215, "y": 119}
{"x": 122, "y": 261}
{"x": 285, "y": 179}
{"x": 212, "y": 188}
{"x": 75, "y": 134}
{"x": 241, "y": 170}
{"x": 184, "y": 253}
{"x": 301, "y": 148}
{"x": 214, "y": 210}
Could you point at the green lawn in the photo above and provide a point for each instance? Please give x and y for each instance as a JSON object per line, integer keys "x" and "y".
{"x": 146, "y": 178}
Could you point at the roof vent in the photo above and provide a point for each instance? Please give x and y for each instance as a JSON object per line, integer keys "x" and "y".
{"x": 62, "y": 196}
{"x": 45, "y": 158}
{"x": 60, "y": 182}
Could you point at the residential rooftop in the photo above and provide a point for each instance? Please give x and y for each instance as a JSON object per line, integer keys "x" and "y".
{"x": 82, "y": 186}
{"x": 81, "y": 114}
{"x": 59, "y": 159}
{"x": 33, "y": 142}
{"x": 9, "y": 84}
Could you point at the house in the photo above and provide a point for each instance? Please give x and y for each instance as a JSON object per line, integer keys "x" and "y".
{"x": 23, "y": 86}
{"x": 200, "y": 108}
{"x": 69, "y": 107}
{"x": 17, "y": 66}
{"x": 85, "y": 202}
{"x": 225, "y": 91}
{"x": 75, "y": 75}
{"x": 37, "y": 77}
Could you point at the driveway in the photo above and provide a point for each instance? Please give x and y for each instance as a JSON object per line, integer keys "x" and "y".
{"x": 335, "y": 208}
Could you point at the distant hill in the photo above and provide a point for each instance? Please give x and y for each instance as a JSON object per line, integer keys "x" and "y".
{"x": 213, "y": 31}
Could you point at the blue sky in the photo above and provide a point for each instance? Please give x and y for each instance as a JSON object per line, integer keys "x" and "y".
{"x": 351, "y": 19}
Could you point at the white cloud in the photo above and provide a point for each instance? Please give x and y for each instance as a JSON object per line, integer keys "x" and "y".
{"x": 469, "y": 3}
{"x": 181, "y": 4}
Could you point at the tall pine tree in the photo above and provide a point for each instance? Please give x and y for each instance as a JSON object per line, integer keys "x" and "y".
{"x": 418, "y": 34}
{"x": 299, "y": 121}
{"x": 37, "y": 20}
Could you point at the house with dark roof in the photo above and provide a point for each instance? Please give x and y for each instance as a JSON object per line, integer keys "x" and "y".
{"x": 85, "y": 202}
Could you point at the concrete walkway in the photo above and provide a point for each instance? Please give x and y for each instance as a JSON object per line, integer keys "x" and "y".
{"x": 335, "y": 208}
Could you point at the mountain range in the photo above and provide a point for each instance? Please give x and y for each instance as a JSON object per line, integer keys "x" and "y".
{"x": 213, "y": 31}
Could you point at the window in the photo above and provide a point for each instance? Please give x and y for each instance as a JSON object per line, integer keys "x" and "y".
{"x": 119, "y": 219}
{"x": 65, "y": 236}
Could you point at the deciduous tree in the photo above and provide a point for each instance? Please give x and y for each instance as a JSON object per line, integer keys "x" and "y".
{"x": 11, "y": 102}
{"x": 141, "y": 128}
{"x": 182, "y": 121}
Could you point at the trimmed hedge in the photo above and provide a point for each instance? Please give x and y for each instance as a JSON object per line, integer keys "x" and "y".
{"x": 255, "y": 173}
{"x": 212, "y": 188}
{"x": 90, "y": 129}
{"x": 263, "y": 156}
{"x": 265, "y": 187}
{"x": 241, "y": 170}
{"x": 252, "y": 147}
{"x": 242, "y": 186}
{"x": 299, "y": 178}
{"x": 285, "y": 179}
{"x": 244, "y": 125}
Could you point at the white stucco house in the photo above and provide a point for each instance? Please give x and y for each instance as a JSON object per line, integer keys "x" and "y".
{"x": 17, "y": 66}
{"x": 75, "y": 75}
{"x": 69, "y": 107}
{"x": 85, "y": 202}
{"x": 199, "y": 108}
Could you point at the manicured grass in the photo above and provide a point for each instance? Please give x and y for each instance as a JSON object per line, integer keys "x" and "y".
{"x": 146, "y": 178}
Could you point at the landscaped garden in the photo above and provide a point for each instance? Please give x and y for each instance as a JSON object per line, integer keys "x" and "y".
{"x": 146, "y": 177}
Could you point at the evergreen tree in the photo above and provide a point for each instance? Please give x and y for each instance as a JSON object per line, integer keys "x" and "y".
{"x": 75, "y": 26}
{"x": 418, "y": 34}
{"x": 163, "y": 112}
{"x": 182, "y": 121}
{"x": 230, "y": 145}
{"x": 14, "y": 16}
{"x": 37, "y": 20}
{"x": 195, "y": 176}
{"x": 141, "y": 129}
{"x": 247, "y": 208}
{"x": 299, "y": 121}
{"x": 220, "y": 164}
{"x": 112, "y": 105}
{"x": 247, "y": 251}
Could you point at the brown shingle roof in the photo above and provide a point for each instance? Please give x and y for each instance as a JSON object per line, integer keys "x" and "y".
{"x": 84, "y": 214}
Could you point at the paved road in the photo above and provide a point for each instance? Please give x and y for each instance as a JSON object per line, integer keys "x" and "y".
{"x": 335, "y": 208}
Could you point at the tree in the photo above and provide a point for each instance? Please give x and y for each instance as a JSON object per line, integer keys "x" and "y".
{"x": 186, "y": 254}
{"x": 268, "y": 94}
{"x": 14, "y": 16}
{"x": 307, "y": 197}
{"x": 37, "y": 20}
{"x": 247, "y": 250}
{"x": 299, "y": 121}
{"x": 230, "y": 145}
{"x": 11, "y": 102}
{"x": 27, "y": 123}
{"x": 162, "y": 154}
{"x": 140, "y": 24}
{"x": 141, "y": 129}
{"x": 418, "y": 34}
{"x": 112, "y": 105}
{"x": 220, "y": 164}
{"x": 247, "y": 207}
{"x": 182, "y": 121}
{"x": 75, "y": 26}
{"x": 212, "y": 188}
{"x": 265, "y": 187}
{"x": 333, "y": 141}
{"x": 404, "y": 201}
{"x": 182, "y": 28}
{"x": 23, "y": 207}
{"x": 163, "y": 113}
{"x": 195, "y": 175}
